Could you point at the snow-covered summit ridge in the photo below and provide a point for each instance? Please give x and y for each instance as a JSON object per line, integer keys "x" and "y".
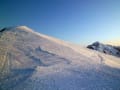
{"x": 53, "y": 39}
{"x": 36, "y": 61}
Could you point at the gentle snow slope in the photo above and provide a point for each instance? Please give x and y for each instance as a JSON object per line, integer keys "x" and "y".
{"x": 40, "y": 62}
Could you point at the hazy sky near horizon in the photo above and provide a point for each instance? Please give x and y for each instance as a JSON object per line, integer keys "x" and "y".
{"x": 78, "y": 21}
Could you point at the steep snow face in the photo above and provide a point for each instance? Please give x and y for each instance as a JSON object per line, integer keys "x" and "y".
{"x": 107, "y": 49}
{"x": 33, "y": 61}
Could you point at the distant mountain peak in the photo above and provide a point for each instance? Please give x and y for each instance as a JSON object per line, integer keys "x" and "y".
{"x": 105, "y": 48}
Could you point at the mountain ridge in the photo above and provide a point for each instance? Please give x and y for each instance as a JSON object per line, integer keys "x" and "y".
{"x": 105, "y": 48}
{"x": 38, "y": 62}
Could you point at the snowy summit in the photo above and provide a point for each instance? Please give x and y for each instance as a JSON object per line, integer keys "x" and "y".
{"x": 34, "y": 61}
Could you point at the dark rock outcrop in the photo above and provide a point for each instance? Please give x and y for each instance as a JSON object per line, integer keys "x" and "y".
{"x": 107, "y": 49}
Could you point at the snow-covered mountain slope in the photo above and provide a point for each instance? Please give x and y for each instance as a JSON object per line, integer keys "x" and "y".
{"x": 104, "y": 48}
{"x": 33, "y": 61}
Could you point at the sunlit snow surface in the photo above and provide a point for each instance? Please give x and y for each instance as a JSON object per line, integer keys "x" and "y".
{"x": 39, "y": 62}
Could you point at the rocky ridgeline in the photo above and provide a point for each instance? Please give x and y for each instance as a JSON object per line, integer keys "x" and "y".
{"x": 107, "y": 49}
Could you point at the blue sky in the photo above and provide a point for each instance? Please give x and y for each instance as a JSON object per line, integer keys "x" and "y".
{"x": 78, "y": 21}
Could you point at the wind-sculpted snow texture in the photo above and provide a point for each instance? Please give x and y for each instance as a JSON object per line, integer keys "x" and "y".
{"x": 33, "y": 61}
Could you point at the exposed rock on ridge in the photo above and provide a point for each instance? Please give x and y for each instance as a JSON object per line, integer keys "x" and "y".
{"x": 107, "y": 49}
